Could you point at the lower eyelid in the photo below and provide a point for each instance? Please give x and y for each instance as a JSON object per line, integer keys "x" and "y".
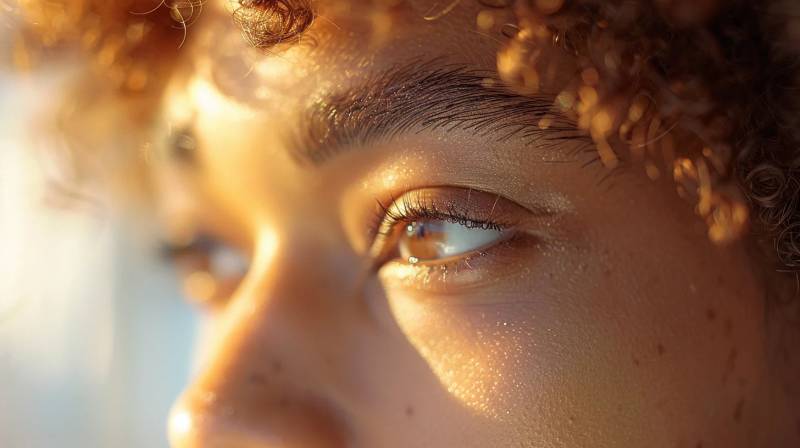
{"x": 458, "y": 275}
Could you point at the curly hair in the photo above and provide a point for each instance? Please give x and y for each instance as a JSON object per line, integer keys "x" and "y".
{"x": 721, "y": 80}
{"x": 129, "y": 41}
{"x": 267, "y": 23}
{"x": 706, "y": 89}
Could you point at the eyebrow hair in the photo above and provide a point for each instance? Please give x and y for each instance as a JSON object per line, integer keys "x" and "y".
{"x": 425, "y": 96}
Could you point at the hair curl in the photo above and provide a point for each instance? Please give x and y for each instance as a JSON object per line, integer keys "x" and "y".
{"x": 267, "y": 23}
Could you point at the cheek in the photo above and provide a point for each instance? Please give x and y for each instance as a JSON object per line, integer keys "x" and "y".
{"x": 477, "y": 354}
{"x": 571, "y": 348}
{"x": 674, "y": 337}
{"x": 513, "y": 351}
{"x": 505, "y": 361}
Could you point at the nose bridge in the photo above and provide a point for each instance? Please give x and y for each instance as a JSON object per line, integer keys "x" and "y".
{"x": 267, "y": 380}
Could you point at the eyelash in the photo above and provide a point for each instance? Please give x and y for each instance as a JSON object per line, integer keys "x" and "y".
{"x": 417, "y": 207}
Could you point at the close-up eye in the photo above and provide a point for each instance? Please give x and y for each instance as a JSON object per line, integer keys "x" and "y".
{"x": 432, "y": 235}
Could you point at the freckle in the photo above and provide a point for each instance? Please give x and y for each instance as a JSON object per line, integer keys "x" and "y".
{"x": 283, "y": 402}
{"x": 277, "y": 367}
{"x": 711, "y": 314}
{"x": 636, "y": 361}
{"x": 572, "y": 419}
{"x": 661, "y": 349}
{"x": 737, "y": 412}
{"x": 409, "y": 411}
{"x": 699, "y": 444}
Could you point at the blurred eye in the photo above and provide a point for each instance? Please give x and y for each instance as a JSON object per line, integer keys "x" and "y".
{"x": 435, "y": 240}
{"x": 210, "y": 269}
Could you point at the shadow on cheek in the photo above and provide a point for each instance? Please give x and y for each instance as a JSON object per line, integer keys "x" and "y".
{"x": 481, "y": 357}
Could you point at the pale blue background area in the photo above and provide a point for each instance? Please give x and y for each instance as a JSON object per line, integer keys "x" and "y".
{"x": 95, "y": 342}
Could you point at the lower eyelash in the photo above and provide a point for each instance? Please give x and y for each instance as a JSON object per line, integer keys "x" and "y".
{"x": 449, "y": 276}
{"x": 456, "y": 265}
{"x": 504, "y": 242}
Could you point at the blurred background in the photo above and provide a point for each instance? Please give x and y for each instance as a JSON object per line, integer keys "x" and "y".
{"x": 95, "y": 341}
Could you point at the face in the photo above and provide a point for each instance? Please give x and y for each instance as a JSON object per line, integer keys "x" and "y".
{"x": 436, "y": 260}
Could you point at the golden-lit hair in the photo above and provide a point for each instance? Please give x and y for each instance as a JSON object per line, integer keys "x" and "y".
{"x": 131, "y": 42}
{"x": 695, "y": 90}
{"x": 267, "y": 23}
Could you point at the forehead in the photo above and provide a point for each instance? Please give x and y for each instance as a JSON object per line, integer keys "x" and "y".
{"x": 344, "y": 45}
{"x": 252, "y": 102}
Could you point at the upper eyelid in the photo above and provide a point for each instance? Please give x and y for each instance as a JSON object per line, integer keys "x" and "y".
{"x": 389, "y": 214}
{"x": 496, "y": 203}
{"x": 430, "y": 211}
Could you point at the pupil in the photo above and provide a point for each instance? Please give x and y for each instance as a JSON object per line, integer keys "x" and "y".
{"x": 416, "y": 230}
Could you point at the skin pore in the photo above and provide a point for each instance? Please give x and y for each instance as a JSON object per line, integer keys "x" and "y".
{"x": 563, "y": 306}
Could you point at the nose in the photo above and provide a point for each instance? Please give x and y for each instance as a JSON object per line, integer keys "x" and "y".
{"x": 269, "y": 381}
{"x": 198, "y": 422}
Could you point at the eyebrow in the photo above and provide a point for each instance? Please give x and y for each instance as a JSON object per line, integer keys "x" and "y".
{"x": 418, "y": 97}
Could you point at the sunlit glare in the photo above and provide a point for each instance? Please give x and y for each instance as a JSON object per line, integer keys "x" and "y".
{"x": 206, "y": 97}
{"x": 179, "y": 425}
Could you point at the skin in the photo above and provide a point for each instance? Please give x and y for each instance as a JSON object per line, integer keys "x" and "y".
{"x": 610, "y": 321}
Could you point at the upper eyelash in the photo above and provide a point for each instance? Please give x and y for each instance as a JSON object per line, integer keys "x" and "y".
{"x": 413, "y": 207}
